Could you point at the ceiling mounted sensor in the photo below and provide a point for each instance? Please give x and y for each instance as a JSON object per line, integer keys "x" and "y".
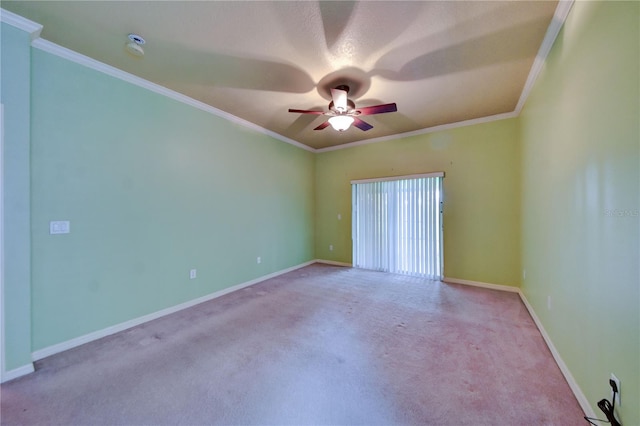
{"x": 134, "y": 45}
{"x": 343, "y": 112}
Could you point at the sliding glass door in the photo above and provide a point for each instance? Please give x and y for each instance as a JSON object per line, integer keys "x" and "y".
{"x": 397, "y": 224}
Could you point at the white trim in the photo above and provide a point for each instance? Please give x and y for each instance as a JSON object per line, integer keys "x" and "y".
{"x": 51, "y": 350}
{"x": 571, "y": 381}
{"x": 481, "y": 284}
{"x": 69, "y": 344}
{"x": 18, "y": 372}
{"x": 558, "y": 20}
{"x": 434, "y": 129}
{"x": 559, "y": 17}
{"x": 88, "y": 62}
{"x": 2, "y": 354}
{"x": 21, "y": 23}
{"x": 580, "y": 396}
{"x": 333, "y": 262}
{"x": 392, "y": 178}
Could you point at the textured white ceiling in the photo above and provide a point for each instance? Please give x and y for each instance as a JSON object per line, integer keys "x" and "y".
{"x": 441, "y": 62}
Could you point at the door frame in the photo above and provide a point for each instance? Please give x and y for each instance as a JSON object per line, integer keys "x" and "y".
{"x": 2, "y": 341}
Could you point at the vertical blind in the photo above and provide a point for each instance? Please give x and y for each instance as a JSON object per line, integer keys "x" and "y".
{"x": 397, "y": 225}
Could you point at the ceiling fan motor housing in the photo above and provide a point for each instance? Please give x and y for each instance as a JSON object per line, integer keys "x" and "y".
{"x": 344, "y": 114}
{"x": 350, "y": 106}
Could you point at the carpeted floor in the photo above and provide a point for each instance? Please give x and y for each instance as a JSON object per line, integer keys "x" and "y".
{"x": 320, "y": 345}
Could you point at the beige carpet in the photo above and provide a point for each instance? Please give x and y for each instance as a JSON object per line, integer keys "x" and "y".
{"x": 320, "y": 345}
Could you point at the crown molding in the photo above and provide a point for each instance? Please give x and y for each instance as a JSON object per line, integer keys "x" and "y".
{"x": 88, "y": 62}
{"x": 24, "y": 24}
{"x": 34, "y": 29}
{"x": 559, "y": 18}
{"x": 557, "y": 22}
{"x": 433, "y": 129}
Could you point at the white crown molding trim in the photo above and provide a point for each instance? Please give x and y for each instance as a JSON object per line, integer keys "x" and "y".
{"x": 500, "y": 287}
{"x": 559, "y": 18}
{"x": 17, "y": 372}
{"x": 580, "y": 396}
{"x": 24, "y": 24}
{"x": 557, "y": 22}
{"x": 333, "y": 263}
{"x": 434, "y": 129}
{"x": 88, "y": 62}
{"x": 69, "y": 344}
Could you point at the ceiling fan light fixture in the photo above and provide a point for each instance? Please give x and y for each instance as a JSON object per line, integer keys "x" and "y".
{"x": 341, "y": 122}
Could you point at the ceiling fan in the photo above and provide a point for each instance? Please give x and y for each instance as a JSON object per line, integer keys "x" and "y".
{"x": 343, "y": 113}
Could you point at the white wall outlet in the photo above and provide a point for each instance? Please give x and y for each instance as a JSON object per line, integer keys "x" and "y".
{"x": 548, "y": 303}
{"x": 193, "y": 274}
{"x": 259, "y": 260}
{"x": 59, "y": 227}
{"x": 618, "y": 398}
{"x": 330, "y": 247}
{"x": 339, "y": 216}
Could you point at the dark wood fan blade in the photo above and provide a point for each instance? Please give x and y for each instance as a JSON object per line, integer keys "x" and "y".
{"x": 304, "y": 111}
{"x": 322, "y": 126}
{"x": 362, "y": 125}
{"x": 378, "y": 109}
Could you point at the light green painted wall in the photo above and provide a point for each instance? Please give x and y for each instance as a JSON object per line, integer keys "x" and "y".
{"x": 481, "y": 193}
{"x": 153, "y": 188}
{"x": 17, "y": 273}
{"x": 581, "y": 203}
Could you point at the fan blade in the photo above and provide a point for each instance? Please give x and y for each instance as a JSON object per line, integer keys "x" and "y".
{"x": 362, "y": 125}
{"x": 339, "y": 99}
{"x": 322, "y": 126}
{"x": 304, "y": 111}
{"x": 378, "y": 109}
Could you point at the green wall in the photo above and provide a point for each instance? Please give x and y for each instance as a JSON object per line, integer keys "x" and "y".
{"x": 152, "y": 188}
{"x": 481, "y": 195}
{"x": 15, "y": 96}
{"x": 580, "y": 199}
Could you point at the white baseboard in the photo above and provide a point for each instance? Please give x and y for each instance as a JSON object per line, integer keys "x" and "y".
{"x": 333, "y": 262}
{"x": 17, "y": 372}
{"x": 580, "y": 396}
{"x": 69, "y": 344}
{"x": 577, "y": 392}
{"x": 481, "y": 284}
{"x": 51, "y": 350}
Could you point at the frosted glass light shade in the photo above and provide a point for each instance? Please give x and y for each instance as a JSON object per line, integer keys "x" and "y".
{"x": 341, "y": 122}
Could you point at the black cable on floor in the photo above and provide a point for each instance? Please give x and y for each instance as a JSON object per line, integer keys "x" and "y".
{"x": 607, "y": 408}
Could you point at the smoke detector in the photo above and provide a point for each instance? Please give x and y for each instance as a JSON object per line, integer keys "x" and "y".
{"x": 134, "y": 45}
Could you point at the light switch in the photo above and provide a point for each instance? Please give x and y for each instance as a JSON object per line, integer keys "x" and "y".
{"x": 59, "y": 227}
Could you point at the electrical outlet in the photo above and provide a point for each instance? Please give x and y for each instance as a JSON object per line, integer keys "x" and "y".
{"x": 330, "y": 247}
{"x": 549, "y": 303}
{"x": 193, "y": 274}
{"x": 59, "y": 227}
{"x": 617, "y": 382}
{"x": 259, "y": 260}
